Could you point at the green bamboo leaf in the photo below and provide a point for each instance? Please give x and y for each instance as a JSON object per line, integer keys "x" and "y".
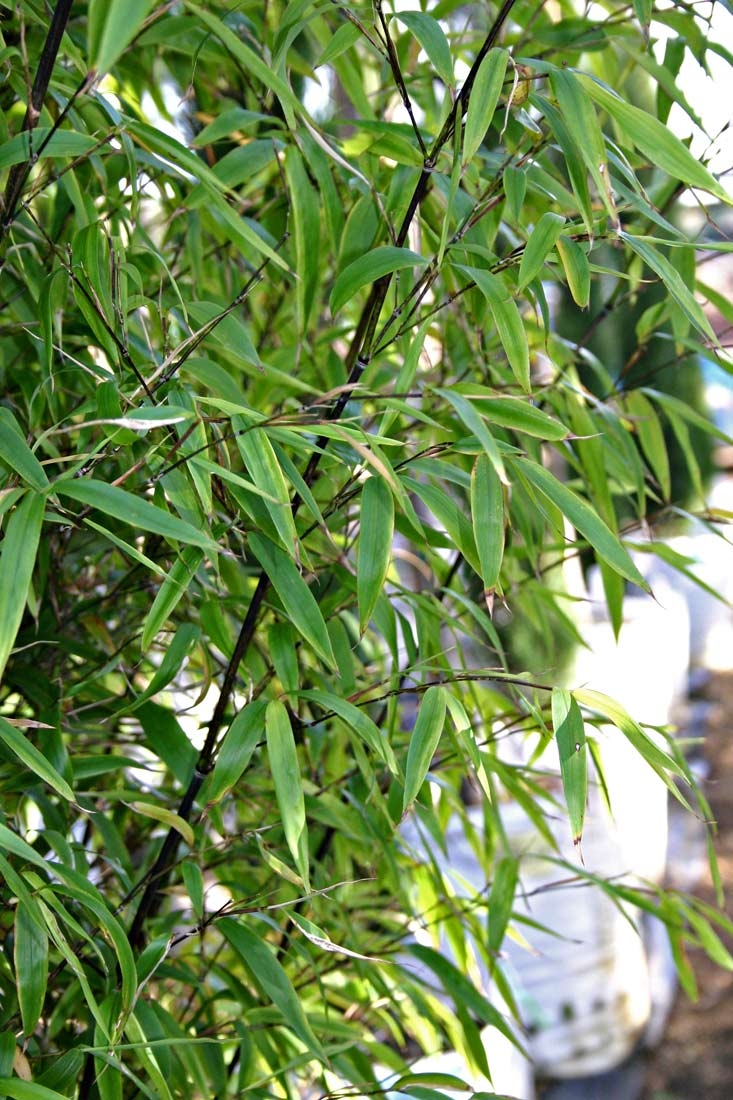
{"x": 431, "y": 37}
{"x": 501, "y": 900}
{"x": 508, "y": 320}
{"x": 30, "y": 956}
{"x": 15, "y": 451}
{"x": 366, "y": 269}
{"x": 357, "y": 720}
{"x": 297, "y": 599}
{"x": 450, "y": 515}
{"x": 167, "y": 740}
{"x": 305, "y": 214}
{"x": 577, "y": 269}
{"x": 65, "y": 144}
{"x": 487, "y": 514}
{"x": 483, "y": 100}
{"x": 171, "y": 592}
{"x": 584, "y": 518}
{"x": 423, "y": 743}
{"x": 567, "y": 722}
{"x": 475, "y": 422}
{"x": 34, "y": 760}
{"x": 516, "y": 413}
{"x": 584, "y": 130}
{"x": 242, "y": 737}
{"x": 16, "y": 1089}
{"x": 651, "y": 436}
{"x": 271, "y": 980}
{"x": 673, "y": 282}
{"x": 376, "y": 529}
{"x": 131, "y": 509}
{"x": 226, "y": 329}
{"x": 541, "y": 241}
{"x": 264, "y": 469}
{"x": 463, "y": 992}
{"x": 661, "y": 762}
{"x": 285, "y": 769}
{"x": 111, "y": 28}
{"x": 652, "y": 138}
{"x": 17, "y": 560}
{"x": 251, "y": 61}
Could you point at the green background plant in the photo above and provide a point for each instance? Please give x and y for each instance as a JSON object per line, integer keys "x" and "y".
{"x": 284, "y": 421}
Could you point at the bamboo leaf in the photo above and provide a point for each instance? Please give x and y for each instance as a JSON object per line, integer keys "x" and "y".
{"x": 130, "y": 509}
{"x": 34, "y": 760}
{"x": 111, "y": 28}
{"x": 508, "y": 320}
{"x": 672, "y": 281}
{"x": 271, "y": 980}
{"x": 375, "y": 545}
{"x": 577, "y": 269}
{"x": 471, "y": 417}
{"x": 541, "y": 241}
{"x": 483, "y": 100}
{"x": 242, "y": 738}
{"x": 487, "y": 514}
{"x": 368, "y": 269}
{"x": 167, "y": 817}
{"x": 15, "y": 451}
{"x": 357, "y": 720}
{"x": 285, "y": 769}
{"x": 501, "y": 900}
{"x": 423, "y": 743}
{"x": 297, "y": 599}
{"x": 171, "y": 592}
{"x": 17, "y": 561}
{"x": 567, "y": 722}
{"x": 30, "y": 956}
{"x": 264, "y": 469}
{"x": 655, "y": 140}
{"x": 431, "y": 37}
{"x": 584, "y": 519}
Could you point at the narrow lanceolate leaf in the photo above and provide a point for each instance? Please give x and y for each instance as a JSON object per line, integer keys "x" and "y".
{"x": 15, "y": 451}
{"x": 34, "y": 760}
{"x": 431, "y": 37}
{"x": 264, "y": 469}
{"x": 357, "y": 720}
{"x": 651, "y": 436}
{"x": 508, "y": 320}
{"x": 245, "y": 732}
{"x": 577, "y": 269}
{"x": 375, "y": 545}
{"x": 270, "y": 978}
{"x": 483, "y": 101}
{"x": 673, "y": 282}
{"x": 487, "y": 515}
{"x": 423, "y": 742}
{"x": 567, "y": 722}
{"x": 584, "y": 130}
{"x": 30, "y": 950}
{"x": 541, "y": 242}
{"x": 285, "y": 768}
{"x": 17, "y": 559}
{"x": 584, "y": 518}
{"x": 477, "y": 425}
{"x": 652, "y": 138}
{"x": 501, "y": 900}
{"x": 297, "y": 599}
{"x": 171, "y": 591}
{"x": 305, "y": 219}
{"x": 111, "y": 28}
{"x": 128, "y": 508}
{"x": 166, "y": 817}
{"x": 370, "y": 267}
